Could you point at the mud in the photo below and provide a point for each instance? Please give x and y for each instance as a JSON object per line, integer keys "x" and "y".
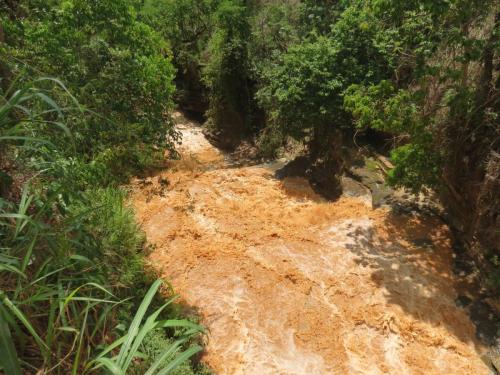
{"x": 288, "y": 283}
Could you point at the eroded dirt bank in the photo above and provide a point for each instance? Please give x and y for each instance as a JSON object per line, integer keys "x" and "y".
{"x": 290, "y": 284}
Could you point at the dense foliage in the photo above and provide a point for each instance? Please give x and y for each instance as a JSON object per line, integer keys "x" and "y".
{"x": 186, "y": 25}
{"x": 100, "y": 50}
{"x": 226, "y": 73}
{"x": 72, "y": 272}
{"x": 377, "y": 64}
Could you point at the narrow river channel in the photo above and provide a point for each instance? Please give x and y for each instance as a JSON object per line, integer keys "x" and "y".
{"x": 289, "y": 283}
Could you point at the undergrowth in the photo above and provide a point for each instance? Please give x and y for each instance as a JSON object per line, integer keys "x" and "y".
{"x": 74, "y": 296}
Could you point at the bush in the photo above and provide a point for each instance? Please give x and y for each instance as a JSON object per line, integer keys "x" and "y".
{"x": 398, "y": 112}
{"x": 112, "y": 240}
{"x": 72, "y": 255}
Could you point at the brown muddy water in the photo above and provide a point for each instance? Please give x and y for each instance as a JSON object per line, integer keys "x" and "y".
{"x": 288, "y": 283}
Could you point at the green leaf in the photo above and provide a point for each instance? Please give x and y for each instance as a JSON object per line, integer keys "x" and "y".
{"x": 22, "y": 318}
{"x": 13, "y": 269}
{"x": 49, "y": 101}
{"x": 180, "y": 359}
{"x": 110, "y": 365}
{"x": 8, "y": 355}
{"x": 148, "y": 326}
{"x": 180, "y": 323}
{"x": 164, "y": 355}
{"x": 134, "y": 327}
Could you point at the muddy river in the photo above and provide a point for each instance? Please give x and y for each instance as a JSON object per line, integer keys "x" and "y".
{"x": 288, "y": 283}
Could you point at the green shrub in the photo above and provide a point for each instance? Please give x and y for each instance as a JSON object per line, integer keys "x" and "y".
{"x": 110, "y": 228}
{"x": 116, "y": 66}
{"x": 398, "y": 112}
{"x": 302, "y": 93}
{"x": 71, "y": 264}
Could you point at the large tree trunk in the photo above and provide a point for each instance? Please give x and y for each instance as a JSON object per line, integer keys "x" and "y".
{"x": 472, "y": 170}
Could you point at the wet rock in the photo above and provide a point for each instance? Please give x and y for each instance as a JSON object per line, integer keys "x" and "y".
{"x": 321, "y": 175}
{"x": 368, "y": 174}
{"x": 296, "y": 168}
{"x": 463, "y": 301}
{"x": 325, "y": 181}
{"x": 401, "y": 209}
{"x": 492, "y": 360}
{"x": 227, "y": 132}
{"x": 380, "y": 194}
{"x": 423, "y": 242}
{"x": 275, "y": 165}
{"x": 353, "y": 188}
{"x": 246, "y": 152}
{"x": 495, "y": 361}
{"x": 486, "y": 321}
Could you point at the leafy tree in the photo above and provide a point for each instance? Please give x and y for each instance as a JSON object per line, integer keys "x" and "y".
{"x": 187, "y": 26}
{"x": 227, "y": 72}
{"x": 431, "y": 47}
{"x": 102, "y": 51}
{"x": 386, "y": 109}
{"x": 273, "y": 31}
{"x": 318, "y": 16}
{"x": 303, "y": 93}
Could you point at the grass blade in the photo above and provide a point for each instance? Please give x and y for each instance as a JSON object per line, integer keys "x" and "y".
{"x": 180, "y": 359}
{"x": 76, "y": 362}
{"x": 176, "y": 323}
{"x": 134, "y": 327}
{"x": 110, "y": 365}
{"x": 8, "y": 354}
{"x": 164, "y": 355}
{"x": 20, "y": 316}
{"x": 148, "y": 326}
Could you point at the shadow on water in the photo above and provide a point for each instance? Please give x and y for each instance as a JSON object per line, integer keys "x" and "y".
{"x": 410, "y": 258}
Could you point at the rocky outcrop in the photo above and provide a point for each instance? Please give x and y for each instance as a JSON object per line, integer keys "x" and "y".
{"x": 322, "y": 168}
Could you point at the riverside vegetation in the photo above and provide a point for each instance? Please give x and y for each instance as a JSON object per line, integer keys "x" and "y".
{"x": 87, "y": 92}
{"x": 75, "y": 297}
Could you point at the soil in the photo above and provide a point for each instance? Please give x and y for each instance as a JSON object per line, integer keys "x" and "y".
{"x": 287, "y": 282}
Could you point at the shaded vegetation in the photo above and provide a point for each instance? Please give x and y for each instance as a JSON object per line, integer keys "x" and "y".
{"x": 72, "y": 270}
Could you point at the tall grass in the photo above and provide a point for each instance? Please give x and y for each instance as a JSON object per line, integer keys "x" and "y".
{"x": 70, "y": 261}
